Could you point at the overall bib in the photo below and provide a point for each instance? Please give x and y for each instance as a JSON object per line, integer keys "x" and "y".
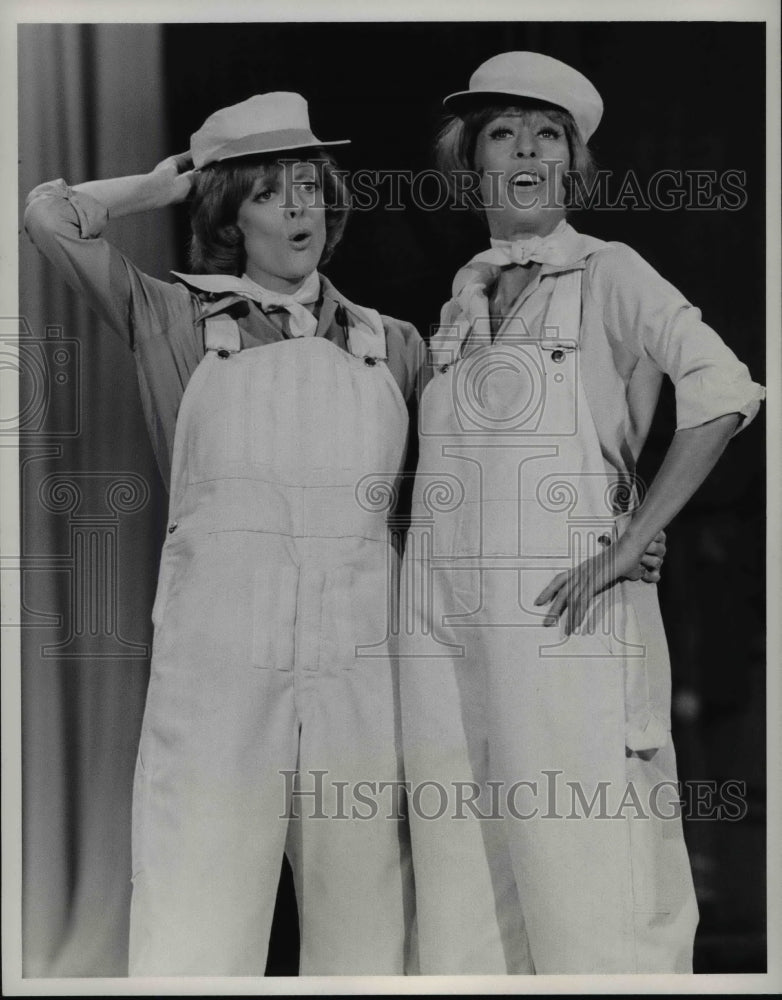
{"x": 272, "y": 576}
{"x": 557, "y": 863}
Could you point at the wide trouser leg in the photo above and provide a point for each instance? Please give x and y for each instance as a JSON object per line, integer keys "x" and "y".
{"x": 210, "y": 813}
{"x": 350, "y": 855}
{"x": 666, "y": 910}
{"x": 468, "y": 912}
{"x": 210, "y": 827}
{"x": 589, "y": 849}
{"x": 350, "y": 844}
{"x": 603, "y": 875}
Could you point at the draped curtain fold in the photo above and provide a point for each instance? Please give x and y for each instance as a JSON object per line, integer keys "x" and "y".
{"x": 90, "y": 105}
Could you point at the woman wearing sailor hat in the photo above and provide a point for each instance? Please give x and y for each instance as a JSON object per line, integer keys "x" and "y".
{"x": 535, "y": 686}
{"x": 269, "y": 397}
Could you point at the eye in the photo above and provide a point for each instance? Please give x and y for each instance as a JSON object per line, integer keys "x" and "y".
{"x": 500, "y": 132}
{"x": 309, "y": 186}
{"x": 265, "y": 194}
{"x": 549, "y": 132}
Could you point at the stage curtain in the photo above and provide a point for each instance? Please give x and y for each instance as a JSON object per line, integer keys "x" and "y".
{"x": 90, "y": 105}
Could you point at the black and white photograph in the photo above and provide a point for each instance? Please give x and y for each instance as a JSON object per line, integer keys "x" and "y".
{"x": 391, "y": 498}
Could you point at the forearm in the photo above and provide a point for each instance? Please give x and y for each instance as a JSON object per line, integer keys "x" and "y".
{"x": 692, "y": 455}
{"x": 125, "y": 195}
{"x": 168, "y": 184}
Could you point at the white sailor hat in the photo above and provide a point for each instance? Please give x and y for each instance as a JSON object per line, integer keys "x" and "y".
{"x": 267, "y": 123}
{"x": 531, "y": 74}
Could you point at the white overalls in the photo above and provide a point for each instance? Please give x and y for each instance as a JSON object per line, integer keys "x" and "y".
{"x": 511, "y": 489}
{"x": 271, "y": 575}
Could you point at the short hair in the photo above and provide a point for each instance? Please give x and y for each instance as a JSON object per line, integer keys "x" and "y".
{"x": 458, "y": 137}
{"x": 217, "y": 242}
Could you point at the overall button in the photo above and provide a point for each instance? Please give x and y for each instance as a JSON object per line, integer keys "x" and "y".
{"x": 172, "y": 528}
{"x": 222, "y": 353}
{"x": 444, "y": 369}
{"x": 370, "y": 361}
{"x": 558, "y": 356}
{"x": 604, "y": 539}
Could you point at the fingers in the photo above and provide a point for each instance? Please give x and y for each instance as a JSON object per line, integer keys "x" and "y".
{"x": 552, "y": 589}
{"x": 655, "y": 552}
{"x": 182, "y": 186}
{"x": 558, "y": 605}
{"x": 183, "y": 161}
{"x": 572, "y": 592}
{"x": 572, "y": 600}
{"x": 575, "y": 615}
{"x": 180, "y": 164}
{"x": 648, "y": 570}
{"x": 651, "y": 561}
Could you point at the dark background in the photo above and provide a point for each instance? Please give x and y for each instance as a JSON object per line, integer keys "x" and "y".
{"x": 687, "y": 96}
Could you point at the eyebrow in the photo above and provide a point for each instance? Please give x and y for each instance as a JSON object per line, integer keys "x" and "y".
{"x": 538, "y": 117}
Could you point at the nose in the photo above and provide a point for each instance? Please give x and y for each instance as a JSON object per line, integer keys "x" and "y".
{"x": 297, "y": 201}
{"x": 526, "y": 144}
{"x": 295, "y": 207}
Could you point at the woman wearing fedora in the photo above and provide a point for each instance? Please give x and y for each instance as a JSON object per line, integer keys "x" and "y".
{"x": 535, "y": 688}
{"x": 269, "y": 397}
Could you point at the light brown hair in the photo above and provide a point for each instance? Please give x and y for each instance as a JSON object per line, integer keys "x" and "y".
{"x": 217, "y": 243}
{"x": 457, "y": 139}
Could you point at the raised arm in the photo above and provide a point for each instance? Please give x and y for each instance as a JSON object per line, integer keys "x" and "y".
{"x": 168, "y": 184}
{"x": 155, "y": 318}
{"x": 65, "y": 224}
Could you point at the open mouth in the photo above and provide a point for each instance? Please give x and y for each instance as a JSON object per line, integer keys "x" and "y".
{"x": 301, "y": 240}
{"x": 525, "y": 179}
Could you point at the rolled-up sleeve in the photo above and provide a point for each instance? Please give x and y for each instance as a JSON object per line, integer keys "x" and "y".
{"x": 653, "y": 319}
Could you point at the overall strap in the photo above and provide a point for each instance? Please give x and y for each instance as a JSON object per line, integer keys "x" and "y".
{"x": 221, "y": 333}
{"x": 562, "y": 325}
{"x": 366, "y": 334}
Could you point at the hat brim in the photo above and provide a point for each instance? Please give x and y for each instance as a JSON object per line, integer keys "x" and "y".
{"x": 283, "y": 149}
{"x": 284, "y": 141}
{"x": 468, "y": 100}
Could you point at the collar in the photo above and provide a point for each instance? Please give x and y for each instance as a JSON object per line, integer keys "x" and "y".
{"x": 229, "y": 289}
{"x": 306, "y": 294}
{"x": 569, "y": 248}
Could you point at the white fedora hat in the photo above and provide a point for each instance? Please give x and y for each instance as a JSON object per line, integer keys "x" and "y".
{"x": 267, "y": 123}
{"x": 531, "y": 74}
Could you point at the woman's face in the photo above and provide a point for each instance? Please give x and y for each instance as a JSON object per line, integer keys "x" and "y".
{"x": 283, "y": 220}
{"x": 522, "y": 156}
